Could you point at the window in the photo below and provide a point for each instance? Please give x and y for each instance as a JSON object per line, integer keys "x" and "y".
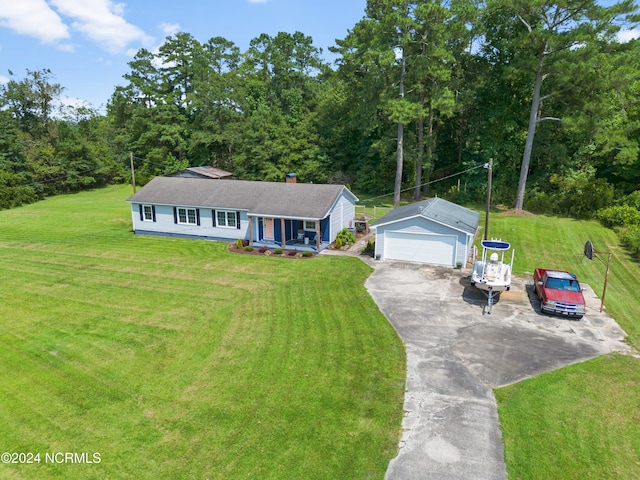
{"x": 148, "y": 212}
{"x": 226, "y": 218}
{"x": 310, "y": 225}
{"x": 187, "y": 216}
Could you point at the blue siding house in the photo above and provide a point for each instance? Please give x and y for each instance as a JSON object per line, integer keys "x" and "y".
{"x": 432, "y": 231}
{"x": 289, "y": 215}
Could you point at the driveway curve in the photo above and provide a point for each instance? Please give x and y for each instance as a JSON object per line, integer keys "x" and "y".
{"x": 457, "y": 353}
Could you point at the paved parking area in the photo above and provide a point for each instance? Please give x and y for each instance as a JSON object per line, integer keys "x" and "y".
{"x": 456, "y": 354}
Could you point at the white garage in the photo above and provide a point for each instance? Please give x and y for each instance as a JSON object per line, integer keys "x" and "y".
{"x": 420, "y": 247}
{"x": 432, "y": 231}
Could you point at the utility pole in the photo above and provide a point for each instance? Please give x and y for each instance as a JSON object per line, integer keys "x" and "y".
{"x": 590, "y": 252}
{"x": 133, "y": 173}
{"x": 488, "y": 166}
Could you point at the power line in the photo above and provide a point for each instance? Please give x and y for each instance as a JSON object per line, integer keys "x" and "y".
{"x": 484, "y": 165}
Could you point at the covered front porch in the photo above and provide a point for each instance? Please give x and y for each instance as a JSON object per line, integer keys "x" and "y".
{"x": 289, "y": 233}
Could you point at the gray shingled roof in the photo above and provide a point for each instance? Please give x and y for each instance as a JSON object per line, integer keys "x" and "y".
{"x": 437, "y": 210}
{"x": 293, "y": 200}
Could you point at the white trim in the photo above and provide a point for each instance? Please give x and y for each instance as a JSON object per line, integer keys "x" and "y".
{"x": 186, "y": 215}
{"x": 433, "y": 236}
{"x": 333, "y": 205}
{"x": 144, "y": 212}
{"x": 227, "y": 214}
{"x": 182, "y": 205}
{"x": 273, "y": 215}
{"x": 429, "y": 219}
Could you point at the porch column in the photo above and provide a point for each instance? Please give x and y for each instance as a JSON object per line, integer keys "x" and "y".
{"x": 284, "y": 233}
{"x": 318, "y": 235}
{"x": 250, "y": 230}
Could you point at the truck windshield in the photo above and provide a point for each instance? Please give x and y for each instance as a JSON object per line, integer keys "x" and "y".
{"x": 563, "y": 284}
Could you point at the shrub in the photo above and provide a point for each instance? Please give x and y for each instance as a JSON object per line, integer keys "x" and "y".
{"x": 619, "y": 216}
{"x": 278, "y": 251}
{"x": 580, "y": 193}
{"x": 631, "y": 239}
{"x": 267, "y": 253}
{"x": 338, "y": 242}
{"x": 346, "y": 236}
{"x": 370, "y": 248}
{"x": 541, "y": 202}
{"x": 463, "y": 197}
{"x": 633, "y": 200}
{"x": 263, "y": 249}
{"x": 307, "y": 254}
{"x": 292, "y": 253}
{"x": 239, "y": 244}
{"x": 11, "y": 196}
{"x": 248, "y": 248}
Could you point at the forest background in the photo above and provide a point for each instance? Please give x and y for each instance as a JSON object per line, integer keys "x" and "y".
{"x": 420, "y": 91}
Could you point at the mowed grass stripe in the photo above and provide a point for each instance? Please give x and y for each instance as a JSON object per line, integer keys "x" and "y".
{"x": 581, "y": 421}
{"x": 177, "y": 359}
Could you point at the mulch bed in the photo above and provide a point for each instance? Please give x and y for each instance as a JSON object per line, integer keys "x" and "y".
{"x": 261, "y": 251}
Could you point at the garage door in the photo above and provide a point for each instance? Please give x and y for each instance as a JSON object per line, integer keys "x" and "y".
{"x": 420, "y": 247}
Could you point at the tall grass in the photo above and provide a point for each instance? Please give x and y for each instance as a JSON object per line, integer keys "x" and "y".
{"x": 174, "y": 358}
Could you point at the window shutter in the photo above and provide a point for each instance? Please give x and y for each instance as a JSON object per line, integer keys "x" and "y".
{"x": 213, "y": 215}
{"x": 198, "y": 216}
{"x": 175, "y": 215}
{"x": 153, "y": 212}
{"x": 141, "y": 214}
{"x": 238, "y": 220}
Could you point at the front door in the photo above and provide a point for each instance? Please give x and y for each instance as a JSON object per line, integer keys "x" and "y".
{"x": 268, "y": 228}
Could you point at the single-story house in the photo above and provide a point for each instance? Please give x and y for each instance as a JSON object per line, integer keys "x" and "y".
{"x": 289, "y": 215}
{"x": 431, "y": 231}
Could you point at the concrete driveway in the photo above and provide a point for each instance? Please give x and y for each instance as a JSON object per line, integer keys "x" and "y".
{"x": 456, "y": 354}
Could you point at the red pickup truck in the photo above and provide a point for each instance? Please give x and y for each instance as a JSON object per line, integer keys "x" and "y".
{"x": 559, "y": 292}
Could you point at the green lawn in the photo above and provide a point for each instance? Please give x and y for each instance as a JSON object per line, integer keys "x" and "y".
{"x": 174, "y": 358}
{"x": 583, "y": 421}
{"x": 580, "y": 422}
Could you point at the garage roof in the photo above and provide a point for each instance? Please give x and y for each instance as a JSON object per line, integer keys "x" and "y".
{"x": 437, "y": 210}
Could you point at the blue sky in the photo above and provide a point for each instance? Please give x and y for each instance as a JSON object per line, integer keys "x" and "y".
{"x": 87, "y": 43}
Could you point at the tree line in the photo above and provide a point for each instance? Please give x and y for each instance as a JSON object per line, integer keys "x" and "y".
{"x": 420, "y": 90}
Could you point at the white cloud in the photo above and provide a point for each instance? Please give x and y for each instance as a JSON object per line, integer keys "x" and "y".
{"x": 169, "y": 28}
{"x": 73, "y": 102}
{"x": 102, "y": 22}
{"x": 625, "y": 36}
{"x": 74, "y": 109}
{"x": 52, "y": 21}
{"x": 3, "y": 79}
{"x": 33, "y": 18}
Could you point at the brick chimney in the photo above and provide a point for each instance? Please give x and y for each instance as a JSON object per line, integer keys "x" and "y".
{"x": 291, "y": 178}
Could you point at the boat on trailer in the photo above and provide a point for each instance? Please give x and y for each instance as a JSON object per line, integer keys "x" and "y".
{"x": 492, "y": 275}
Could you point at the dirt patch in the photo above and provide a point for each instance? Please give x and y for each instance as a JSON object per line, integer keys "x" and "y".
{"x": 516, "y": 213}
{"x": 515, "y": 296}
